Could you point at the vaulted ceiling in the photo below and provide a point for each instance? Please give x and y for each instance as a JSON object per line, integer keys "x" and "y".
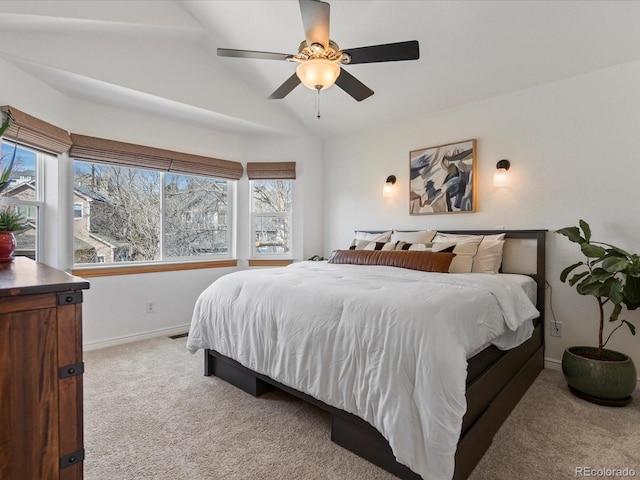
{"x": 159, "y": 57}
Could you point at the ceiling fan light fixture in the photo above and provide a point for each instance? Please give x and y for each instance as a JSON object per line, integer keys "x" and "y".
{"x": 318, "y": 72}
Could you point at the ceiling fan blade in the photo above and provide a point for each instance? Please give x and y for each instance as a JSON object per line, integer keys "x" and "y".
{"x": 315, "y": 18}
{"x": 389, "y": 52}
{"x": 230, "y": 52}
{"x": 285, "y": 89}
{"x": 353, "y": 86}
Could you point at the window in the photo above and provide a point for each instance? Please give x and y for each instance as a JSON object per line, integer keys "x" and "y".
{"x": 271, "y": 217}
{"x": 77, "y": 210}
{"x": 23, "y": 194}
{"x": 138, "y": 215}
{"x": 195, "y": 220}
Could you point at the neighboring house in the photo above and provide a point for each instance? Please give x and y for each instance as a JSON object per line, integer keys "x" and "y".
{"x": 88, "y": 246}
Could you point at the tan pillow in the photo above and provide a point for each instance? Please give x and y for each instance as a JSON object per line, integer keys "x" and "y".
{"x": 465, "y": 249}
{"x": 362, "y": 239}
{"x": 380, "y": 246}
{"x": 423, "y": 261}
{"x": 488, "y": 258}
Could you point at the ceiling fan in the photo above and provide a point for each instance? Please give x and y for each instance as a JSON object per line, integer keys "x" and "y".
{"x": 321, "y": 60}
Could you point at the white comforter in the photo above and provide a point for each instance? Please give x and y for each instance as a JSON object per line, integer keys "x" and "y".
{"x": 386, "y": 344}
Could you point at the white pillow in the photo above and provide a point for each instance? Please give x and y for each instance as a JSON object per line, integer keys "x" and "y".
{"x": 423, "y": 236}
{"x": 488, "y": 258}
{"x": 466, "y": 248}
{"x": 362, "y": 239}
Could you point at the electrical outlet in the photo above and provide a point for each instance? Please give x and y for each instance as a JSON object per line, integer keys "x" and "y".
{"x": 151, "y": 308}
{"x": 556, "y": 329}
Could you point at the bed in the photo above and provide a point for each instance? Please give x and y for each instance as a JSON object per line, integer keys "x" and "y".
{"x": 320, "y": 355}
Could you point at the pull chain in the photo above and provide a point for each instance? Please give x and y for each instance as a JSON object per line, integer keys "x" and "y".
{"x": 318, "y": 88}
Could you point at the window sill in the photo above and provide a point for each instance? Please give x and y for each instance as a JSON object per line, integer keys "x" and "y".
{"x": 269, "y": 263}
{"x": 87, "y": 272}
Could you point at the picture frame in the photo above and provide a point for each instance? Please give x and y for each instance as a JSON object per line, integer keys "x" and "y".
{"x": 443, "y": 179}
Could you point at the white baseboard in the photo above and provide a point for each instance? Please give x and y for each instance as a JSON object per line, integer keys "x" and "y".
{"x": 135, "y": 337}
{"x": 553, "y": 364}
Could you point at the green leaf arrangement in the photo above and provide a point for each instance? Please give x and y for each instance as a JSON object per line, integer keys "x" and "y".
{"x": 608, "y": 273}
{"x": 11, "y": 222}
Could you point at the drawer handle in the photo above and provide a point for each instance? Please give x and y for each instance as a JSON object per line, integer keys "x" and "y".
{"x": 72, "y": 458}
{"x": 69, "y": 298}
{"x": 71, "y": 370}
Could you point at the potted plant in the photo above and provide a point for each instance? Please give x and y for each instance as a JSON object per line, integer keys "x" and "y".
{"x": 612, "y": 276}
{"x": 9, "y": 222}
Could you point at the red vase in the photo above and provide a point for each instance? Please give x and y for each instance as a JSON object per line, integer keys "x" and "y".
{"x": 7, "y": 246}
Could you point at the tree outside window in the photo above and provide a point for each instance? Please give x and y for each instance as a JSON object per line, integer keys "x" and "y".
{"x": 271, "y": 217}
{"x": 138, "y": 215}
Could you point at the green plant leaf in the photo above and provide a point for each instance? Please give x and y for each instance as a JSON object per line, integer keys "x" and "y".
{"x": 586, "y": 230}
{"x": 634, "y": 268}
{"x": 631, "y": 292}
{"x": 589, "y": 287}
{"x": 11, "y": 222}
{"x": 572, "y": 233}
{"x": 592, "y": 251}
{"x": 615, "y": 313}
{"x": 600, "y": 274}
{"x": 577, "y": 277}
{"x": 605, "y": 287}
{"x": 6, "y": 124}
{"x": 568, "y": 270}
{"x": 615, "y": 264}
{"x": 620, "y": 251}
{"x": 615, "y": 290}
{"x": 631, "y": 326}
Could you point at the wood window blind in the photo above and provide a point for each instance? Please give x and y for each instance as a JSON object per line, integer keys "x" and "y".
{"x": 112, "y": 152}
{"x": 271, "y": 170}
{"x": 33, "y": 132}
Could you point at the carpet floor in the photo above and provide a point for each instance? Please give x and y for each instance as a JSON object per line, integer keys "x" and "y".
{"x": 151, "y": 414}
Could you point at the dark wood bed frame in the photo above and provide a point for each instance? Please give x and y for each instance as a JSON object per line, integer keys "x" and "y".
{"x": 496, "y": 381}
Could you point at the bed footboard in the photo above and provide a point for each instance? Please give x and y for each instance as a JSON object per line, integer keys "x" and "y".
{"x": 491, "y": 398}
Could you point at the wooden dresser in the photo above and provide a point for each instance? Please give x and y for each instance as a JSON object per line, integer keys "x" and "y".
{"x": 41, "y": 370}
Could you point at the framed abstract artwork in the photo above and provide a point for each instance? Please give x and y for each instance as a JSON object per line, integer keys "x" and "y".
{"x": 443, "y": 179}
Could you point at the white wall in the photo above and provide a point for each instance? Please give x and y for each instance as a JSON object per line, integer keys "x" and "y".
{"x": 573, "y": 151}
{"x": 114, "y": 307}
{"x": 307, "y": 219}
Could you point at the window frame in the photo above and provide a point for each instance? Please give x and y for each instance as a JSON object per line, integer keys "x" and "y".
{"x": 254, "y": 215}
{"x": 39, "y": 203}
{"x": 164, "y": 263}
{"x": 81, "y": 210}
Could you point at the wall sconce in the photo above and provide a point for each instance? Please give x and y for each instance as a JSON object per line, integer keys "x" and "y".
{"x": 500, "y": 176}
{"x": 389, "y": 186}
